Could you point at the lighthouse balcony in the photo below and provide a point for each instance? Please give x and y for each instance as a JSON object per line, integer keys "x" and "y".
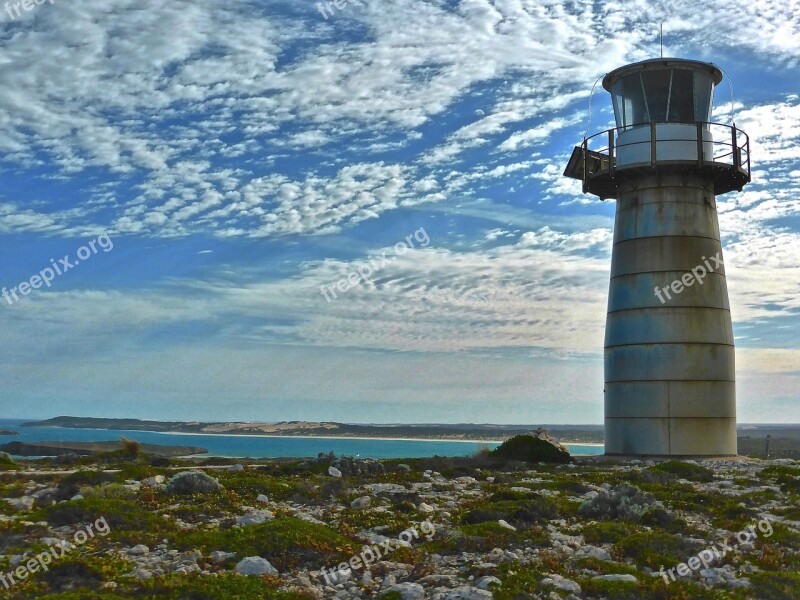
{"x": 718, "y": 152}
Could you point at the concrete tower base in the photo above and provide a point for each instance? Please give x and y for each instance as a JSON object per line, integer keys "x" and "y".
{"x": 669, "y": 354}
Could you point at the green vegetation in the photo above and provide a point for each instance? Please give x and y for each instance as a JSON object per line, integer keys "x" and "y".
{"x": 623, "y": 502}
{"x": 774, "y": 585}
{"x": 5, "y": 459}
{"x": 226, "y": 585}
{"x": 131, "y": 447}
{"x": 522, "y": 510}
{"x": 285, "y": 542}
{"x": 683, "y": 470}
{"x": 654, "y": 550}
{"x": 250, "y": 484}
{"x": 645, "y": 515}
{"x": 530, "y": 449}
{"x": 609, "y": 532}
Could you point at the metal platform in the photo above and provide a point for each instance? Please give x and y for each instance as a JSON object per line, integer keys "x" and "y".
{"x": 725, "y": 162}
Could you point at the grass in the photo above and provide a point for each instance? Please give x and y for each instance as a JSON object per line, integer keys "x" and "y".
{"x": 654, "y": 550}
{"x": 683, "y": 470}
{"x": 609, "y": 532}
{"x": 285, "y": 542}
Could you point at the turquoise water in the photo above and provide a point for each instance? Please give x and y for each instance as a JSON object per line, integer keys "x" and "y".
{"x": 263, "y": 447}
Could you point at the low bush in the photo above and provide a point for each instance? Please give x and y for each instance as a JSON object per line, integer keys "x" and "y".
{"x": 684, "y": 470}
{"x": 528, "y": 448}
{"x": 622, "y": 502}
{"x": 654, "y": 550}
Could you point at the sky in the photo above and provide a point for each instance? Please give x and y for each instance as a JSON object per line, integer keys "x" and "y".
{"x": 281, "y": 210}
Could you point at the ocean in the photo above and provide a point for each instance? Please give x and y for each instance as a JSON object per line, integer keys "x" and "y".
{"x": 254, "y": 446}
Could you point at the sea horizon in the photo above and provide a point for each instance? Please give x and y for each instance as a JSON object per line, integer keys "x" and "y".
{"x": 234, "y": 445}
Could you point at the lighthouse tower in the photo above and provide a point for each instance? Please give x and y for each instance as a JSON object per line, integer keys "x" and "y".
{"x": 669, "y": 353}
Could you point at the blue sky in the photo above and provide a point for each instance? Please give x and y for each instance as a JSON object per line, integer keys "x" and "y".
{"x": 244, "y": 156}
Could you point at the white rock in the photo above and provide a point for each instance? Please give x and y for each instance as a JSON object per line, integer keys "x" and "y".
{"x": 154, "y": 481}
{"x": 23, "y": 503}
{"x": 617, "y": 577}
{"x": 484, "y": 582}
{"x": 262, "y": 498}
{"x": 506, "y": 525}
{"x": 219, "y": 556}
{"x": 386, "y": 488}
{"x": 409, "y": 591}
{"x": 77, "y": 497}
{"x": 334, "y": 472}
{"x": 255, "y": 565}
{"x": 255, "y": 517}
{"x": 593, "y": 552}
{"x": 426, "y": 508}
{"x": 374, "y": 538}
{"x": 712, "y": 576}
{"x": 363, "y": 502}
{"x": 467, "y": 593}
{"x": 235, "y": 468}
{"x": 561, "y": 583}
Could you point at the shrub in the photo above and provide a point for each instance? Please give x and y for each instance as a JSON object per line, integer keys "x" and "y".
{"x": 570, "y": 486}
{"x": 223, "y": 585}
{"x": 285, "y": 542}
{"x": 684, "y": 470}
{"x": 655, "y": 550}
{"x": 71, "y": 484}
{"x": 608, "y": 532}
{"x": 776, "y": 584}
{"x": 528, "y": 448}
{"x": 251, "y": 483}
{"x": 623, "y": 502}
{"x": 131, "y": 447}
{"x": 532, "y": 509}
{"x": 121, "y": 515}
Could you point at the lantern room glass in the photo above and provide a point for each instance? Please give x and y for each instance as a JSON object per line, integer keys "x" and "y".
{"x": 668, "y": 95}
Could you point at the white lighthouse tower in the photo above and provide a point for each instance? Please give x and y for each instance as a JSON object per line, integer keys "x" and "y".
{"x": 669, "y": 352}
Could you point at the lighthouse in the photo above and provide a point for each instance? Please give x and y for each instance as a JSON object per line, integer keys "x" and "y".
{"x": 669, "y": 350}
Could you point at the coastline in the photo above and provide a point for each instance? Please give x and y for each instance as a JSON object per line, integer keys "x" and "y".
{"x": 331, "y": 437}
{"x": 321, "y": 437}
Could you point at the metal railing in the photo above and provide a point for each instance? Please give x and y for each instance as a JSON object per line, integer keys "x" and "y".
{"x": 726, "y": 151}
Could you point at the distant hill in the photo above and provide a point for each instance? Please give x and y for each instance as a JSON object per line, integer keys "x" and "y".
{"x": 92, "y": 448}
{"x": 466, "y": 431}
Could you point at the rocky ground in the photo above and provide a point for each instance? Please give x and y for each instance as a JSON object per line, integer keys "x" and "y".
{"x": 468, "y": 528}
